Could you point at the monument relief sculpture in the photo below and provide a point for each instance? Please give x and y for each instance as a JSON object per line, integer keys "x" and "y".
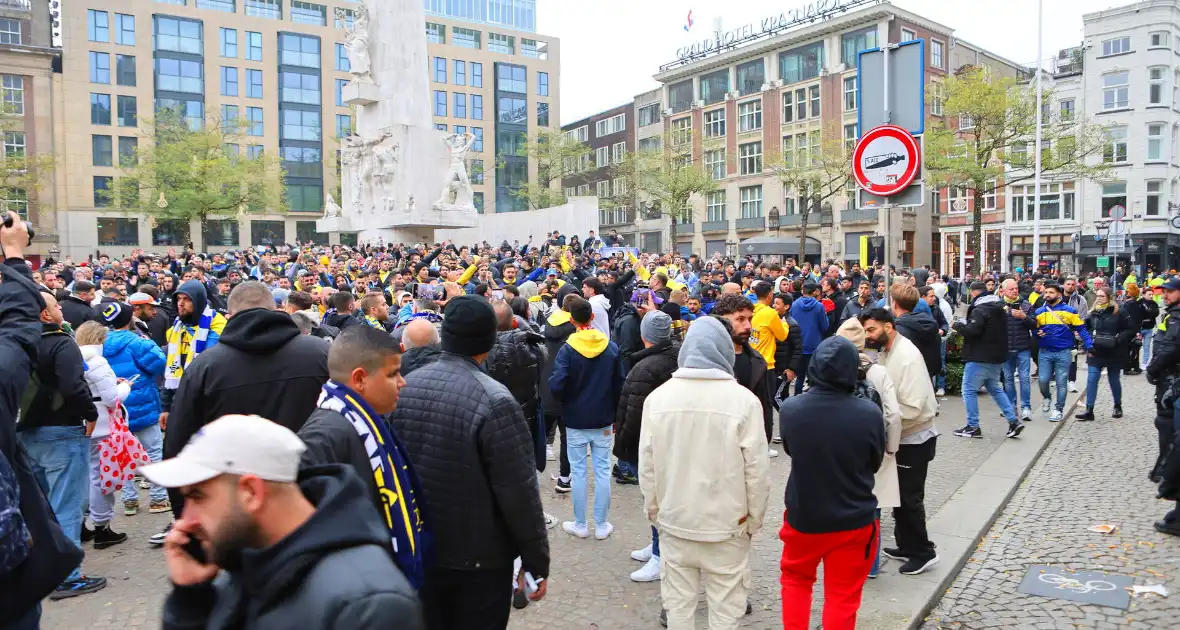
{"x": 356, "y": 42}
{"x": 331, "y": 208}
{"x": 456, "y": 186}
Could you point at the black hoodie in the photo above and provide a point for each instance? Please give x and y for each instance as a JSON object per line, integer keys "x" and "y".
{"x": 334, "y": 571}
{"x": 262, "y": 366}
{"x": 922, "y": 330}
{"x": 836, "y": 442}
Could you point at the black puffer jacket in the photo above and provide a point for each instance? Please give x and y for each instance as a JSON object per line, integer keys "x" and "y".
{"x": 624, "y": 331}
{"x": 1118, "y": 325}
{"x": 77, "y": 312}
{"x": 985, "y": 333}
{"x": 515, "y": 362}
{"x": 473, "y": 452}
{"x": 558, "y": 328}
{"x": 922, "y": 330}
{"x": 1142, "y": 312}
{"x": 788, "y": 355}
{"x": 653, "y": 367}
{"x": 415, "y": 358}
{"x": 1020, "y": 331}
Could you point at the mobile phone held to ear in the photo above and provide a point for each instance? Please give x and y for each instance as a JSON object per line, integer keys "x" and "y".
{"x": 193, "y": 548}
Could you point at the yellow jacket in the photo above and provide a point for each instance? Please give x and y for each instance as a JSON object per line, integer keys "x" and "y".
{"x": 766, "y": 331}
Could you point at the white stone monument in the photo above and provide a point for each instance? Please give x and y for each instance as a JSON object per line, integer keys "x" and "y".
{"x": 402, "y": 178}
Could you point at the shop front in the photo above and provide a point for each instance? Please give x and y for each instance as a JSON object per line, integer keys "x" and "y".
{"x": 1158, "y": 252}
{"x": 1056, "y": 255}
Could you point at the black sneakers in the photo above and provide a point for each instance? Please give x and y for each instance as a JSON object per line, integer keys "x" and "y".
{"x": 914, "y": 566}
{"x": 1014, "y": 429}
{"x": 1165, "y": 527}
{"x": 562, "y": 486}
{"x": 969, "y": 432}
{"x": 105, "y": 537}
{"x": 1118, "y": 413}
{"x": 1085, "y": 416}
{"x": 893, "y": 553}
{"x": 627, "y": 479}
{"x": 80, "y": 586}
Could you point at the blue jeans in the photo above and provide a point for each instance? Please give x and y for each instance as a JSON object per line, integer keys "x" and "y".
{"x": 600, "y": 442}
{"x": 1055, "y": 364}
{"x": 61, "y": 456}
{"x": 655, "y": 541}
{"x": 152, "y": 440}
{"x": 628, "y": 467}
{"x": 877, "y": 552}
{"x": 940, "y": 379}
{"x": 1145, "y": 353}
{"x": 1017, "y": 365}
{"x": 987, "y": 375}
{"x": 1112, "y": 375}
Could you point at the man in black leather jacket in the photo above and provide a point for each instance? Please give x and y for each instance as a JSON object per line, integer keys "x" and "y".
{"x": 471, "y": 446}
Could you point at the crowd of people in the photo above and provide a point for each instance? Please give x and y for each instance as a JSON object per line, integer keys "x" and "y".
{"x": 327, "y": 423}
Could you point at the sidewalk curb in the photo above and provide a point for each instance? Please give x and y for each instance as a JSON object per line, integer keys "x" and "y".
{"x": 935, "y": 594}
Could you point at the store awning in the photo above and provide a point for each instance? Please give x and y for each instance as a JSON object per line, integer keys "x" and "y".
{"x": 777, "y": 245}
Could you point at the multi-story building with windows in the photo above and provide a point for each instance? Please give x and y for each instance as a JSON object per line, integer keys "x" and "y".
{"x": 610, "y": 135}
{"x": 278, "y": 66}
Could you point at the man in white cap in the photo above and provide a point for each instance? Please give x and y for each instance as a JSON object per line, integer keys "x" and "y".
{"x": 300, "y": 551}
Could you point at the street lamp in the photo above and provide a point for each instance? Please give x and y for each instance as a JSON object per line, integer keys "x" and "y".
{"x": 731, "y": 248}
{"x": 1102, "y": 231}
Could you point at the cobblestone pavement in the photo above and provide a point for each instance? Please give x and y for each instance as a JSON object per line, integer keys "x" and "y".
{"x": 1091, "y": 473}
{"x": 590, "y": 586}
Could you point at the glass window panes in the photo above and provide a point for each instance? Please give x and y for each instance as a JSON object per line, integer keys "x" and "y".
{"x": 528, "y": 48}
{"x": 751, "y": 76}
{"x": 340, "y": 83}
{"x": 101, "y": 151}
{"x": 813, "y": 94}
{"x": 751, "y": 200}
{"x": 465, "y": 37}
{"x": 542, "y": 114}
{"x": 1065, "y": 109}
{"x": 501, "y": 43}
{"x": 477, "y": 107}
{"x": 10, "y": 31}
{"x": 750, "y": 116}
{"x": 789, "y": 151}
{"x": 510, "y": 78}
{"x": 223, "y": 233}
{"x": 298, "y": 88}
{"x": 1116, "y": 46}
{"x": 268, "y": 233}
{"x": 849, "y": 93}
{"x": 300, "y": 125}
{"x": 229, "y": 43}
{"x": 179, "y": 75}
{"x": 299, "y": 50}
{"x": 649, "y": 114}
{"x": 715, "y": 123}
{"x": 460, "y": 105}
{"x": 343, "y": 125}
{"x": 100, "y": 67}
{"x": 440, "y": 103}
{"x": 440, "y": 70}
{"x": 117, "y": 232}
{"x": 1154, "y": 189}
{"x": 100, "y": 109}
{"x": 229, "y": 6}
{"x": 254, "y": 121}
{"x": 98, "y": 26}
{"x": 601, "y": 156}
{"x": 715, "y": 206}
{"x": 476, "y": 74}
{"x": 342, "y": 62}
{"x": 254, "y": 83}
{"x": 102, "y": 184}
{"x": 750, "y": 158}
{"x": 856, "y": 41}
{"x": 436, "y": 33}
{"x": 178, "y": 35}
{"x": 14, "y": 144}
{"x": 936, "y": 54}
{"x": 230, "y": 118}
{"x": 715, "y": 163}
{"x": 265, "y": 8}
{"x": 477, "y": 145}
{"x": 460, "y": 77}
{"x": 170, "y": 232}
{"x": 543, "y": 84}
{"x": 607, "y": 126}
{"x": 714, "y": 86}
{"x": 1113, "y": 194}
{"x": 253, "y": 46}
{"x": 229, "y": 81}
{"x": 802, "y": 63}
{"x": 1116, "y": 145}
{"x": 125, "y": 70}
{"x": 18, "y": 202}
{"x": 128, "y": 111}
{"x": 13, "y": 89}
{"x": 1156, "y": 85}
{"x": 125, "y": 29}
{"x": 192, "y": 111}
{"x": 1155, "y": 141}
{"x": 309, "y": 13}
{"x": 680, "y": 96}
{"x": 512, "y": 110}
{"x": 788, "y": 107}
{"x": 305, "y": 198}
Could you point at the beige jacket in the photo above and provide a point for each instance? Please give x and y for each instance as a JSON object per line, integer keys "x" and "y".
{"x": 885, "y": 487}
{"x": 915, "y": 391}
{"x": 703, "y": 462}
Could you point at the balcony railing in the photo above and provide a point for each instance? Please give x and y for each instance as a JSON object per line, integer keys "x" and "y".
{"x": 857, "y": 216}
{"x": 752, "y": 223}
{"x": 813, "y": 219}
{"x": 685, "y": 228}
{"x": 715, "y": 226}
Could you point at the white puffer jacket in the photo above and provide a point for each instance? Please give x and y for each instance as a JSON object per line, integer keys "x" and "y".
{"x": 104, "y": 387}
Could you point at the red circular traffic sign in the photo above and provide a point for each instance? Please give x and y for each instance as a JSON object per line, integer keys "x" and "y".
{"x": 886, "y": 160}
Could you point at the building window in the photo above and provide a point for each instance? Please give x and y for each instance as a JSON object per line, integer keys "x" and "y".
{"x": 907, "y": 35}
{"x": 789, "y": 151}
{"x": 1116, "y": 46}
{"x": 602, "y": 189}
{"x": 229, "y": 43}
{"x": 477, "y": 107}
{"x": 749, "y": 116}
{"x": 1116, "y": 145}
{"x": 649, "y": 114}
{"x": 265, "y": 8}
{"x": 254, "y": 121}
{"x": 300, "y": 125}
{"x": 715, "y": 206}
{"x": 715, "y": 123}
{"x": 253, "y": 46}
{"x": 229, "y": 81}
{"x": 937, "y": 98}
{"x": 813, "y": 92}
{"x": 802, "y": 151}
{"x": 1155, "y": 142}
{"x": 856, "y": 41}
{"x": 98, "y": 25}
{"x": 528, "y": 48}
{"x": 100, "y": 67}
{"x": 751, "y": 201}
{"x": 478, "y": 144}
{"x": 221, "y": 233}
{"x": 254, "y": 151}
{"x": 102, "y": 184}
{"x": 100, "y": 109}
{"x": 460, "y": 72}
{"x": 607, "y": 126}
{"x": 788, "y": 107}
{"x": 477, "y": 201}
{"x": 476, "y": 169}
{"x": 601, "y": 157}
{"x": 342, "y": 62}
{"x": 299, "y": 50}
{"x": 850, "y": 137}
{"x": 513, "y": 110}
{"x": 750, "y": 158}
{"x": 1113, "y": 194}
{"x": 501, "y": 43}
{"x": 966, "y": 122}
{"x": 715, "y": 163}
{"x": 714, "y": 86}
{"x": 510, "y": 78}
{"x": 229, "y": 6}
{"x": 802, "y": 63}
{"x": 465, "y": 37}
{"x": 18, "y": 202}
{"x": 1156, "y": 80}
{"x": 101, "y": 151}
{"x": 297, "y": 87}
{"x": 750, "y": 77}
{"x": 191, "y": 111}
{"x": 1065, "y": 109}
{"x": 117, "y": 232}
{"x": 440, "y": 70}
{"x": 460, "y": 101}
{"x": 178, "y": 35}
{"x": 440, "y": 103}
{"x": 340, "y": 83}
{"x": 617, "y": 151}
{"x": 1154, "y": 190}
{"x": 343, "y": 125}
{"x": 177, "y": 75}
{"x": 305, "y": 198}
{"x": 542, "y": 84}
{"x": 436, "y": 33}
{"x": 124, "y": 29}
{"x": 128, "y": 111}
{"x": 1158, "y": 39}
{"x": 936, "y": 56}
{"x": 267, "y": 232}
{"x": 14, "y": 94}
{"x": 229, "y": 118}
{"x": 542, "y": 114}
{"x": 10, "y": 31}
{"x": 308, "y": 13}
{"x": 14, "y": 144}
{"x": 681, "y": 131}
{"x": 476, "y": 74}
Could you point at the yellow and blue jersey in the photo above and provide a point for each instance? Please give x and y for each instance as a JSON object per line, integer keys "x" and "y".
{"x": 1059, "y": 323}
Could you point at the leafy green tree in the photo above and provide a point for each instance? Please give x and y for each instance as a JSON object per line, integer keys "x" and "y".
{"x": 180, "y": 173}
{"x": 22, "y": 175}
{"x": 556, "y": 156}
{"x": 817, "y": 173}
{"x": 989, "y": 147}
{"x": 667, "y": 179}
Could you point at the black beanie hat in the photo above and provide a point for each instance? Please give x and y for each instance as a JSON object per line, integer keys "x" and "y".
{"x": 114, "y": 314}
{"x": 469, "y": 326}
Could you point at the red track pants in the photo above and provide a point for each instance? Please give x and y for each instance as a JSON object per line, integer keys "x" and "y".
{"x": 847, "y": 558}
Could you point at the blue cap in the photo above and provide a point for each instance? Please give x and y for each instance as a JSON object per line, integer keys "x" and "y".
{"x": 1173, "y": 284}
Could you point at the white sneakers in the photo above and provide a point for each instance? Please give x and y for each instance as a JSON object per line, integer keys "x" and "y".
{"x": 649, "y": 572}
{"x": 940, "y": 393}
{"x": 550, "y": 521}
{"x": 1045, "y": 405}
{"x": 1055, "y": 416}
{"x": 642, "y": 555}
{"x": 550, "y": 455}
{"x": 1073, "y": 387}
{"x": 601, "y": 532}
{"x": 1026, "y": 414}
{"x": 772, "y": 453}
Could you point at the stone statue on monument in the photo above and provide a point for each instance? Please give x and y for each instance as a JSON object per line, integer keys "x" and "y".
{"x": 457, "y": 186}
{"x": 357, "y": 155}
{"x": 331, "y": 208}
{"x": 357, "y": 43}
{"x": 386, "y": 159}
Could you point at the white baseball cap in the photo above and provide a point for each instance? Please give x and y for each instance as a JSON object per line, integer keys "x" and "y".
{"x": 232, "y": 445}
